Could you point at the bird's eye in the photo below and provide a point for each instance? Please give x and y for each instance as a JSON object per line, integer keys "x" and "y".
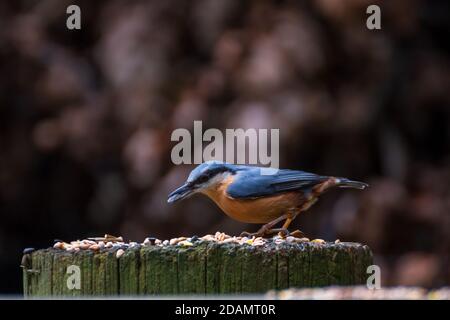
{"x": 203, "y": 178}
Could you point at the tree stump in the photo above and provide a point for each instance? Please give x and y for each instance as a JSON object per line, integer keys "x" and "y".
{"x": 206, "y": 267}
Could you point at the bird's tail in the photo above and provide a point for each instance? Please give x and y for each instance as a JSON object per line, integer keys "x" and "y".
{"x": 347, "y": 183}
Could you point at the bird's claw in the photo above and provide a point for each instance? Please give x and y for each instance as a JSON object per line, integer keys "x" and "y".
{"x": 263, "y": 232}
{"x": 282, "y": 232}
{"x": 244, "y": 234}
{"x": 259, "y": 233}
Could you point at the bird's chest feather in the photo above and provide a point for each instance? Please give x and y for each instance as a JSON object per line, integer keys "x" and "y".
{"x": 259, "y": 210}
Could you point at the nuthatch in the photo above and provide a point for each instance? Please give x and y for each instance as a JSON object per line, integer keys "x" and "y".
{"x": 247, "y": 195}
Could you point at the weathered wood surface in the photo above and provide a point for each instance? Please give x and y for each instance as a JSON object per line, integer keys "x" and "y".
{"x": 204, "y": 268}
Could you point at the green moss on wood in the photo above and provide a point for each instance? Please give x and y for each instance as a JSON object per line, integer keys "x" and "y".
{"x": 192, "y": 269}
{"x": 205, "y": 267}
{"x": 213, "y": 263}
{"x": 283, "y": 253}
{"x": 129, "y": 264}
{"x": 230, "y": 268}
{"x": 41, "y": 273}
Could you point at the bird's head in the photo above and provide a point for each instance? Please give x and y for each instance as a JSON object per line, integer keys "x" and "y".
{"x": 204, "y": 176}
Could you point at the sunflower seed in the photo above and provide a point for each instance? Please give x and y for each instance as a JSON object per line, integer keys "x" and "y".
{"x": 84, "y": 246}
{"x": 229, "y": 240}
{"x": 119, "y": 253}
{"x": 94, "y": 247}
{"x": 290, "y": 239}
{"x": 58, "y": 245}
{"x": 185, "y": 243}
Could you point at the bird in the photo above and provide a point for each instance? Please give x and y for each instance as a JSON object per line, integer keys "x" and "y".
{"x": 251, "y": 194}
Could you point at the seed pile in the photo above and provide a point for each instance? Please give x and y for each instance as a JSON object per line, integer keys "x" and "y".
{"x": 117, "y": 243}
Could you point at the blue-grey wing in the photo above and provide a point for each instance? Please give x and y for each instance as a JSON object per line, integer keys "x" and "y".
{"x": 252, "y": 184}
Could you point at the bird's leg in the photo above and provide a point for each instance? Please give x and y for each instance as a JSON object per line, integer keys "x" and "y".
{"x": 283, "y": 231}
{"x": 265, "y": 229}
{"x": 287, "y": 222}
{"x": 293, "y": 214}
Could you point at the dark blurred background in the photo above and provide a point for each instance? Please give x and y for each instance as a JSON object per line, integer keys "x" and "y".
{"x": 86, "y": 118}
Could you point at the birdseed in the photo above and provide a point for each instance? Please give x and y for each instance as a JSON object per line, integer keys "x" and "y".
{"x": 108, "y": 242}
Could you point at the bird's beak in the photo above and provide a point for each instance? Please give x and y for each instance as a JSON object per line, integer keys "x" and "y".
{"x": 181, "y": 193}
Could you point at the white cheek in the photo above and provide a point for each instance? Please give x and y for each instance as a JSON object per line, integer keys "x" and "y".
{"x": 215, "y": 181}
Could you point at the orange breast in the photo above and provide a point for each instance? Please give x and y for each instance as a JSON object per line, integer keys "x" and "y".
{"x": 260, "y": 210}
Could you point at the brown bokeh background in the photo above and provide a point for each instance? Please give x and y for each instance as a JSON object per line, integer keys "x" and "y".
{"x": 86, "y": 118}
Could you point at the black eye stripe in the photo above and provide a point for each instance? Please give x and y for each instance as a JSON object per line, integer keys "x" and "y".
{"x": 208, "y": 175}
{"x": 202, "y": 179}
